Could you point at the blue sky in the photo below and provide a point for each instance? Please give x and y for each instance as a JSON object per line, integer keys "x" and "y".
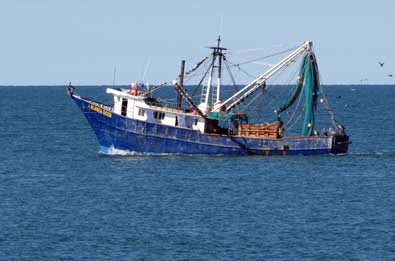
{"x": 53, "y": 42}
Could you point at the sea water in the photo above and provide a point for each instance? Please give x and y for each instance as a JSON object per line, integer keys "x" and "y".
{"x": 60, "y": 199}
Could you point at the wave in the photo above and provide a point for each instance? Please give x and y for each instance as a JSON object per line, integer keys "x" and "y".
{"x": 111, "y": 151}
{"x": 372, "y": 153}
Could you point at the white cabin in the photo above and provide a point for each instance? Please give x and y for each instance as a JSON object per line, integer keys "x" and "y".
{"x": 139, "y": 107}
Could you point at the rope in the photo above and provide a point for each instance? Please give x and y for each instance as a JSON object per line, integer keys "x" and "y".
{"x": 195, "y": 73}
{"x": 267, "y": 56}
{"x": 201, "y": 81}
{"x": 241, "y": 70}
{"x": 281, "y": 93}
{"x": 297, "y": 120}
{"x": 230, "y": 73}
{"x": 294, "y": 112}
{"x": 197, "y": 65}
{"x": 254, "y": 99}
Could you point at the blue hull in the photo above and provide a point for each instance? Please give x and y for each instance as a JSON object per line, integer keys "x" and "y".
{"x": 115, "y": 131}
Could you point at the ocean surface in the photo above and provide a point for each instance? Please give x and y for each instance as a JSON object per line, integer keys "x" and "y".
{"x": 62, "y": 200}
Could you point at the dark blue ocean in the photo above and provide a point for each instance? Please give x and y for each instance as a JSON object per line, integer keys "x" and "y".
{"x": 62, "y": 200}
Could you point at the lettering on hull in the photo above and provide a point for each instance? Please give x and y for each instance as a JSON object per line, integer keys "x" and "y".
{"x": 100, "y": 110}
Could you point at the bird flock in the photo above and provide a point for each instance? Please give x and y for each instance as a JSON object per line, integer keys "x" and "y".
{"x": 381, "y": 65}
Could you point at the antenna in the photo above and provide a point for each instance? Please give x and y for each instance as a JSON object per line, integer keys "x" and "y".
{"x": 221, "y": 23}
{"x": 147, "y": 65}
{"x": 113, "y": 79}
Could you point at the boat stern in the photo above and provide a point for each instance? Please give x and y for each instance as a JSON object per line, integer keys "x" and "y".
{"x": 340, "y": 143}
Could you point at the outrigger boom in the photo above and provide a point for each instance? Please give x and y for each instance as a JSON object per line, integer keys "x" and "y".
{"x": 250, "y": 88}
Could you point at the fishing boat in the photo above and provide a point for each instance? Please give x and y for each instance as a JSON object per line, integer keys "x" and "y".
{"x": 214, "y": 124}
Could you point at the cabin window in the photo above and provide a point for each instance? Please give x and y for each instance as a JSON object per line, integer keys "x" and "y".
{"x": 141, "y": 112}
{"x": 196, "y": 121}
{"x": 124, "y": 106}
{"x": 188, "y": 121}
{"x": 159, "y": 115}
{"x": 176, "y": 121}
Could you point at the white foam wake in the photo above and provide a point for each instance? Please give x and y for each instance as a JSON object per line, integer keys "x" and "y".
{"x": 112, "y": 151}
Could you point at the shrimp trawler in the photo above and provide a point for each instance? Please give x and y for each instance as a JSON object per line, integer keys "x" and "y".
{"x": 214, "y": 123}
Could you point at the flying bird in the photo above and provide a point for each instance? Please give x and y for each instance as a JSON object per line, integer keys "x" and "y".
{"x": 381, "y": 64}
{"x": 390, "y": 75}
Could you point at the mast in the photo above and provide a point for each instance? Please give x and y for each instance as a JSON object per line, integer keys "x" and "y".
{"x": 220, "y": 57}
{"x": 181, "y": 78}
{"x": 210, "y": 77}
{"x": 217, "y": 53}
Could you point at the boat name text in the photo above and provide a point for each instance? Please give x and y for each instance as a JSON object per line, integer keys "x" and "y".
{"x": 100, "y": 110}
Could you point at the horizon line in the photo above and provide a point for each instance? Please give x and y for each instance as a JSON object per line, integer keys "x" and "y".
{"x": 123, "y": 85}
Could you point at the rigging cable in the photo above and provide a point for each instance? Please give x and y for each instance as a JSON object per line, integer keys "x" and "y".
{"x": 230, "y": 74}
{"x": 195, "y": 73}
{"x": 292, "y": 76}
{"x": 329, "y": 110}
{"x": 276, "y": 76}
{"x": 265, "y": 57}
{"x": 242, "y": 70}
{"x": 197, "y": 65}
{"x": 294, "y": 112}
{"x": 201, "y": 81}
